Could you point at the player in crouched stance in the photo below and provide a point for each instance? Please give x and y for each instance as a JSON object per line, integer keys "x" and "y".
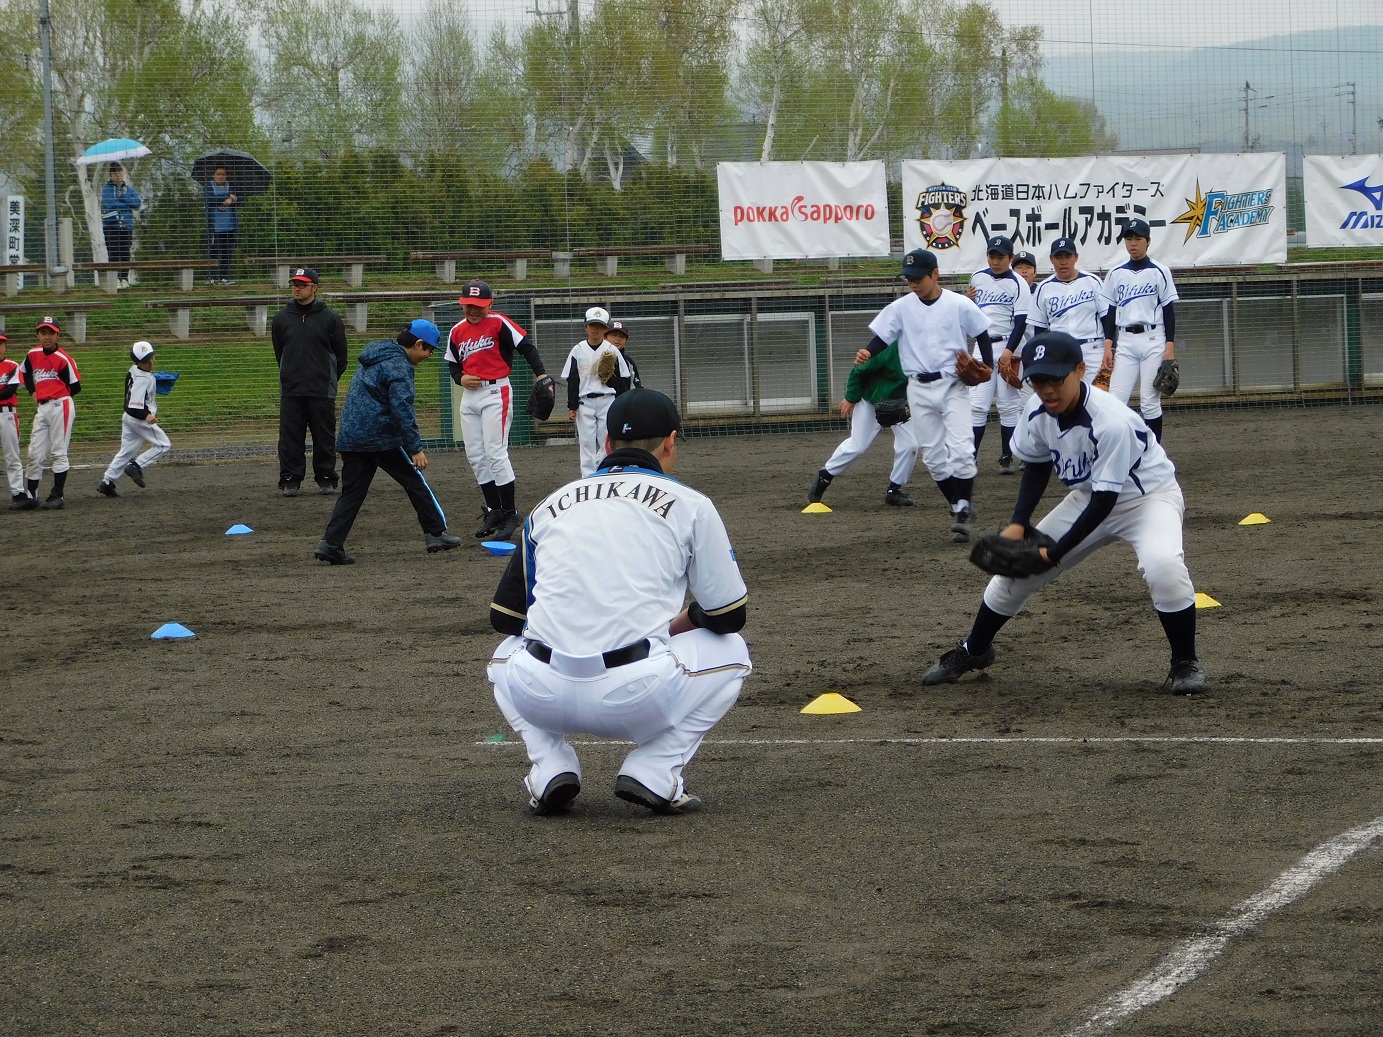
{"x": 599, "y": 640}
{"x": 1122, "y": 487}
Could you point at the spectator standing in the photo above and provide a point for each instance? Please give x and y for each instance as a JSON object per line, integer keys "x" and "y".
{"x": 118, "y": 204}
{"x": 222, "y": 223}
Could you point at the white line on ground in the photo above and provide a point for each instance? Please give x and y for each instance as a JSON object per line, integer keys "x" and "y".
{"x": 1192, "y": 957}
{"x": 1018, "y": 740}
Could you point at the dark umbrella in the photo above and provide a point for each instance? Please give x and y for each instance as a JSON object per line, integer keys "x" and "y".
{"x": 244, "y": 173}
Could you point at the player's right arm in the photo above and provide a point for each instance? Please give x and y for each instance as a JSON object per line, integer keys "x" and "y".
{"x": 509, "y": 609}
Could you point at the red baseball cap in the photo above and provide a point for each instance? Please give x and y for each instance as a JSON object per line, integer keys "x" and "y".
{"x": 476, "y": 293}
{"x": 49, "y": 322}
{"x": 4, "y": 337}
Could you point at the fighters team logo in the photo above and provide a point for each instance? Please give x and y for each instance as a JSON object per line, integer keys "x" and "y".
{"x": 1219, "y": 212}
{"x": 941, "y": 215}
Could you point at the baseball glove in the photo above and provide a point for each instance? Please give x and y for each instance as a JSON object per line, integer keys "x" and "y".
{"x": 541, "y": 399}
{"x": 1168, "y": 377}
{"x": 1103, "y": 376}
{"x": 971, "y": 371}
{"x": 997, "y": 554}
{"x": 1009, "y": 371}
{"x": 607, "y": 365}
{"x": 892, "y": 412}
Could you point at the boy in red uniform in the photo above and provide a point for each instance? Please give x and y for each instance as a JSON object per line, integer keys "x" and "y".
{"x": 52, "y": 376}
{"x": 9, "y": 426}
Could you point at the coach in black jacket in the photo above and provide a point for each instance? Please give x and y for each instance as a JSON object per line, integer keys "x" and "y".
{"x": 310, "y": 347}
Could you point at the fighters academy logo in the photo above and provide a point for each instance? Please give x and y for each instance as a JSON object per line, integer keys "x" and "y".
{"x": 941, "y": 215}
{"x": 1363, "y": 219}
{"x": 1219, "y": 212}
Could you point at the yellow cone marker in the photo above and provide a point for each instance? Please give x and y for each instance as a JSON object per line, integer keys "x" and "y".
{"x": 816, "y": 509}
{"x": 1256, "y": 519}
{"x": 829, "y": 703}
{"x": 1205, "y": 601}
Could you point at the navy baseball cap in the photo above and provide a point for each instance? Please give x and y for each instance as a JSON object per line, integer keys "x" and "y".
{"x": 1061, "y": 245}
{"x": 425, "y": 332}
{"x": 1000, "y": 244}
{"x": 1052, "y": 354}
{"x": 618, "y": 328}
{"x": 642, "y": 414}
{"x": 1135, "y": 228}
{"x": 476, "y": 293}
{"x": 1025, "y": 257}
{"x": 918, "y": 263}
{"x": 48, "y": 322}
{"x": 306, "y": 275}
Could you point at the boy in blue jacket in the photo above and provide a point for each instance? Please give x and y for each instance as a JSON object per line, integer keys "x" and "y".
{"x": 379, "y": 429}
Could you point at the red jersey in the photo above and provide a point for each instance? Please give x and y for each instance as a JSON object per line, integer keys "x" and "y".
{"x": 486, "y": 350}
{"x": 9, "y": 383}
{"x": 49, "y": 376}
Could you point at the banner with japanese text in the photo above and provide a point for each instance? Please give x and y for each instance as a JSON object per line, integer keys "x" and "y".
{"x": 802, "y": 210}
{"x": 1344, "y": 200}
{"x": 14, "y": 230}
{"x": 1204, "y": 210}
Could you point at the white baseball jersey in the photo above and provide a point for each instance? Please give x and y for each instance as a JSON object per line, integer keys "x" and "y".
{"x": 1100, "y": 446}
{"x": 1075, "y": 306}
{"x": 1002, "y": 299}
{"x": 581, "y": 367}
{"x": 1138, "y": 291}
{"x": 141, "y": 396}
{"x": 930, "y": 335}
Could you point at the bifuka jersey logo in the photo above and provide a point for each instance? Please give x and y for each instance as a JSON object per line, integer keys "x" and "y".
{"x": 941, "y": 215}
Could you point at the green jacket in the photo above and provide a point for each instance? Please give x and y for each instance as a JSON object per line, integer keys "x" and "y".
{"x": 878, "y": 378}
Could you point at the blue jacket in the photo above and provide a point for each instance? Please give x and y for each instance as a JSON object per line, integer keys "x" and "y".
{"x": 378, "y": 414}
{"x": 220, "y": 219}
{"x": 118, "y": 205}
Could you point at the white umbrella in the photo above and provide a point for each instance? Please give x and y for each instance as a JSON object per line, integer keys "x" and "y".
{"x": 113, "y": 150}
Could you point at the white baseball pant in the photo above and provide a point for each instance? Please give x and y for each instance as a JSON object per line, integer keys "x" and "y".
{"x": 134, "y": 433}
{"x": 51, "y": 436}
{"x": 9, "y": 444}
{"x": 941, "y": 426}
{"x": 864, "y": 429}
{"x": 486, "y": 415}
{"x": 1150, "y": 524}
{"x": 995, "y": 391}
{"x": 1136, "y": 359}
{"x": 590, "y": 430}
{"x": 665, "y": 704}
{"x": 1092, "y": 352}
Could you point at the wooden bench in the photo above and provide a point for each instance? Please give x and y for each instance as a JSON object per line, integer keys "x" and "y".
{"x": 180, "y": 311}
{"x": 357, "y": 304}
{"x": 515, "y": 260}
{"x": 725, "y": 286}
{"x": 607, "y": 259}
{"x": 353, "y": 266}
{"x": 14, "y": 275}
{"x": 74, "y": 313}
{"x": 108, "y": 273}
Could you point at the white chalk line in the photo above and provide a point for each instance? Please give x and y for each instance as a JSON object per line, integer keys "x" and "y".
{"x": 998, "y": 740}
{"x": 1192, "y": 957}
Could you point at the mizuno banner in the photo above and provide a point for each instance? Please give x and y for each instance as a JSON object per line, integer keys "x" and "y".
{"x": 802, "y": 210}
{"x": 1344, "y": 200}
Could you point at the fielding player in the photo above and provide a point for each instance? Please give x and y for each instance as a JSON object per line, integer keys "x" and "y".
{"x": 52, "y": 377}
{"x": 599, "y": 640}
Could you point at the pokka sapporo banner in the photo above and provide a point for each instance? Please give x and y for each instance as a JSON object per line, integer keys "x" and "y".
{"x": 1204, "y": 210}
{"x": 802, "y": 210}
{"x": 1344, "y": 200}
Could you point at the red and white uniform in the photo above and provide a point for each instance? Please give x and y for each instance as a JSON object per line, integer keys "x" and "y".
{"x": 51, "y": 377}
{"x": 486, "y": 350}
{"x": 135, "y": 430}
{"x": 9, "y": 425}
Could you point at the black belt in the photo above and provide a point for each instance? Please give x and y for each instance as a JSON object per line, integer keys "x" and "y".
{"x": 928, "y": 376}
{"x": 597, "y": 395}
{"x": 618, "y": 657}
{"x": 1138, "y": 329}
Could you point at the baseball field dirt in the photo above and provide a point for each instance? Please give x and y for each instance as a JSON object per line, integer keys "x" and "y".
{"x": 308, "y": 820}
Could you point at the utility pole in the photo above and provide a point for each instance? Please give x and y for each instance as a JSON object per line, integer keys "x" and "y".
{"x": 50, "y": 218}
{"x": 1247, "y": 91}
{"x": 1354, "y": 116}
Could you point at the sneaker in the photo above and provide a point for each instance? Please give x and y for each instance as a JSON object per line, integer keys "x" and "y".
{"x": 135, "y": 473}
{"x": 122, "y": 283}
{"x": 106, "y": 488}
{"x": 53, "y": 504}
{"x": 291, "y": 489}
{"x": 326, "y": 489}
{"x": 1187, "y": 677}
{"x": 23, "y": 502}
{"x": 1005, "y": 464}
{"x": 634, "y": 791}
{"x": 442, "y": 541}
{"x": 956, "y": 662}
{"x": 898, "y": 499}
{"x": 333, "y": 553}
{"x": 962, "y": 522}
{"x": 817, "y": 489}
{"x": 227, "y": 280}
{"x": 557, "y": 797}
{"x": 490, "y": 518}
{"x": 508, "y": 522}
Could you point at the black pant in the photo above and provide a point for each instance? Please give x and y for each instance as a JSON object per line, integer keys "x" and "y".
{"x": 357, "y": 472}
{"x": 118, "y": 241}
{"x": 296, "y": 415}
{"x": 222, "y": 248}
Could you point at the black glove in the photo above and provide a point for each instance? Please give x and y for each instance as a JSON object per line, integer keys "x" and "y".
{"x": 892, "y": 412}
{"x": 541, "y": 399}
{"x": 1001, "y": 556}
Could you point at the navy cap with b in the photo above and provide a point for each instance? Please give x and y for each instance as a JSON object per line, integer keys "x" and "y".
{"x": 1025, "y": 257}
{"x": 918, "y": 263}
{"x": 305, "y": 275}
{"x": 1000, "y": 244}
{"x": 1135, "y": 228}
{"x": 1067, "y": 245}
{"x": 476, "y": 293}
{"x": 642, "y": 414}
{"x": 1051, "y": 354}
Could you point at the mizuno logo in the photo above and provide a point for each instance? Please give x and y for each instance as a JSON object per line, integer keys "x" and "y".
{"x": 1373, "y": 192}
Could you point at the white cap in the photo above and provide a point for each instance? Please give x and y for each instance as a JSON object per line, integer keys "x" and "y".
{"x": 598, "y": 315}
{"x": 141, "y": 351}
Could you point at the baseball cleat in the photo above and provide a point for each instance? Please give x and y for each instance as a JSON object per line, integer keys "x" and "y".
{"x": 107, "y": 489}
{"x": 53, "y": 504}
{"x": 23, "y": 502}
{"x": 1006, "y": 464}
{"x": 1187, "y": 677}
{"x": 135, "y": 473}
{"x": 508, "y": 522}
{"x": 557, "y": 797}
{"x": 957, "y": 662}
{"x": 490, "y": 519}
{"x": 326, "y": 489}
{"x": 291, "y": 489}
{"x": 333, "y": 553}
{"x": 962, "y": 522}
{"x": 817, "y": 489}
{"x": 898, "y": 499}
{"x": 631, "y": 790}
{"x": 442, "y": 541}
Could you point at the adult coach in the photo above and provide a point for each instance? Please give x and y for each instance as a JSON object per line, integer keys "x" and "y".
{"x": 1005, "y": 299}
{"x": 1073, "y": 302}
{"x": 310, "y": 347}
{"x": 931, "y": 326}
{"x": 599, "y": 641}
{"x": 480, "y": 356}
{"x": 1141, "y": 323}
{"x": 1122, "y": 487}
{"x": 53, "y": 379}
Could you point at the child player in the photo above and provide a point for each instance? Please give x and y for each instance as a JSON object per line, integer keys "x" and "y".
{"x": 139, "y": 425}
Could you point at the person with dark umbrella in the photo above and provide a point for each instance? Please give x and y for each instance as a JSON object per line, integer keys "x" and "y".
{"x": 222, "y": 223}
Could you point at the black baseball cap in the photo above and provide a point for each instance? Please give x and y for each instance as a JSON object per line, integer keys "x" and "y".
{"x": 618, "y": 328}
{"x": 918, "y": 263}
{"x": 642, "y": 414}
{"x": 305, "y": 274}
{"x": 1061, "y": 245}
{"x": 1025, "y": 257}
{"x": 476, "y": 293}
{"x": 1000, "y": 244}
{"x": 1135, "y": 228}
{"x": 1051, "y": 354}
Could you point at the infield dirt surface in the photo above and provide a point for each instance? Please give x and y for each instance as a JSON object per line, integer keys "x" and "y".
{"x": 298, "y": 822}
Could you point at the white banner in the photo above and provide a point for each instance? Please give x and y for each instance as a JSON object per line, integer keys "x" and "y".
{"x": 802, "y": 210}
{"x": 14, "y": 230}
{"x": 1204, "y": 210}
{"x": 1344, "y": 200}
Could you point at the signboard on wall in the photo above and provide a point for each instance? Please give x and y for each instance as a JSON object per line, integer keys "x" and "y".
{"x": 1204, "y": 210}
{"x": 14, "y": 230}
{"x": 1344, "y": 200}
{"x": 802, "y": 210}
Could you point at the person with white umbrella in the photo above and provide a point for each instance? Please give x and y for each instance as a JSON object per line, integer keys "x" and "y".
{"x": 118, "y": 204}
